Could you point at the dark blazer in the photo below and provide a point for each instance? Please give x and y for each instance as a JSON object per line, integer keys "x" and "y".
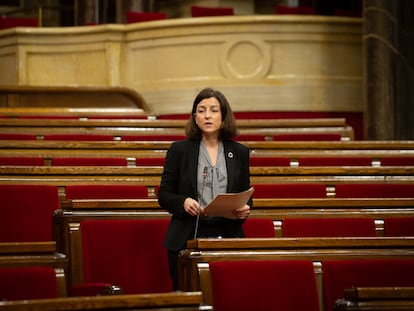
{"x": 179, "y": 181}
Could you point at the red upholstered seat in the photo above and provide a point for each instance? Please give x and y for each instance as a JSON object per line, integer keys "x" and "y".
{"x": 378, "y": 190}
{"x": 282, "y": 285}
{"x": 201, "y": 11}
{"x": 27, "y": 212}
{"x": 335, "y": 161}
{"x": 12, "y": 22}
{"x": 289, "y": 191}
{"x": 22, "y": 283}
{"x": 269, "y": 161}
{"x": 301, "y": 10}
{"x": 259, "y": 228}
{"x": 397, "y": 161}
{"x": 328, "y": 227}
{"x": 341, "y": 274}
{"x": 12, "y": 136}
{"x": 250, "y": 137}
{"x": 160, "y": 137}
{"x": 22, "y": 161}
{"x": 399, "y": 226}
{"x": 78, "y": 137}
{"x": 137, "y": 17}
{"x": 307, "y": 137}
{"x": 89, "y": 162}
{"x": 150, "y": 161}
{"x": 126, "y": 253}
{"x": 94, "y": 191}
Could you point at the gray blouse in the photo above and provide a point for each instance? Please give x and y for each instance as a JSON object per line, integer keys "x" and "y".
{"x": 211, "y": 180}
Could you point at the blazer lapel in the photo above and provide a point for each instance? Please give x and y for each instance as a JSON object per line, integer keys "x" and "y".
{"x": 229, "y": 156}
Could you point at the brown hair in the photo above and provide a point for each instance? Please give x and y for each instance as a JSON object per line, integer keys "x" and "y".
{"x": 228, "y": 130}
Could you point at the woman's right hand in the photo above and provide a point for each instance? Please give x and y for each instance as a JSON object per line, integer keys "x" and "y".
{"x": 191, "y": 206}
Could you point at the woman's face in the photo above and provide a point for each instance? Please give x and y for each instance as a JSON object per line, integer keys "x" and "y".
{"x": 208, "y": 116}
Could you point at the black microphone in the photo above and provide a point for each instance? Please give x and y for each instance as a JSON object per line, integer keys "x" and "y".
{"x": 198, "y": 212}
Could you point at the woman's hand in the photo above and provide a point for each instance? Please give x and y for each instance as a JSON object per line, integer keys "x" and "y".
{"x": 242, "y": 212}
{"x": 192, "y": 207}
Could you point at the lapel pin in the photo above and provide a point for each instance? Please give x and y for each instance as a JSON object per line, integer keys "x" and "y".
{"x": 230, "y": 155}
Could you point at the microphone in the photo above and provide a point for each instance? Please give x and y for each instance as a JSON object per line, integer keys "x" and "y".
{"x": 198, "y": 212}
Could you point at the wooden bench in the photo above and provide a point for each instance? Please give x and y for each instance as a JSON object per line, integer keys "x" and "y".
{"x": 30, "y": 254}
{"x": 26, "y": 97}
{"x": 376, "y": 298}
{"x": 67, "y": 220}
{"x": 194, "y": 268}
{"x": 120, "y": 129}
{"x": 155, "y": 302}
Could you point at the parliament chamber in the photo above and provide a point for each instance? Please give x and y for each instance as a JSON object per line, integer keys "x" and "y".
{"x": 89, "y": 111}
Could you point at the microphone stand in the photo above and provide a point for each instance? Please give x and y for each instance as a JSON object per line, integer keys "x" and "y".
{"x": 198, "y": 212}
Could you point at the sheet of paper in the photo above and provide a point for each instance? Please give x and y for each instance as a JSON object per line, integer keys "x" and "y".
{"x": 225, "y": 203}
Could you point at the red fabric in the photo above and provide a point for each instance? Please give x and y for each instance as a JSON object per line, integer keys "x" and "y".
{"x": 379, "y": 190}
{"x": 397, "y": 161}
{"x": 201, "y": 11}
{"x": 301, "y": 10}
{"x": 50, "y": 117}
{"x": 335, "y": 161}
{"x": 259, "y": 228}
{"x": 137, "y": 17}
{"x": 12, "y": 22}
{"x": 78, "y": 137}
{"x": 306, "y": 137}
{"x": 341, "y": 274}
{"x": 127, "y": 253}
{"x": 329, "y": 227}
{"x": 27, "y": 212}
{"x": 269, "y": 161}
{"x": 289, "y": 191}
{"x": 22, "y": 161}
{"x": 74, "y": 192}
{"x": 149, "y": 161}
{"x": 89, "y": 162}
{"x": 160, "y": 137}
{"x": 5, "y": 136}
{"x": 281, "y": 285}
{"x": 399, "y": 226}
{"x": 21, "y": 283}
{"x": 250, "y": 137}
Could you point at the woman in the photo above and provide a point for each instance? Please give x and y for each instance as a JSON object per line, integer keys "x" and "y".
{"x": 197, "y": 169}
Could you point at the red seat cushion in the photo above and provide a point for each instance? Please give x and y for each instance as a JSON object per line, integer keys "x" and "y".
{"x": 378, "y": 190}
{"x": 201, "y": 11}
{"x": 150, "y": 161}
{"x": 328, "y": 227}
{"x": 74, "y": 192}
{"x": 89, "y": 162}
{"x": 12, "y": 22}
{"x": 23, "y": 283}
{"x": 300, "y": 10}
{"x": 289, "y": 191}
{"x": 160, "y": 137}
{"x": 27, "y": 212}
{"x": 127, "y": 253}
{"x": 281, "y": 285}
{"x": 79, "y": 137}
{"x": 269, "y": 161}
{"x": 259, "y": 228}
{"x": 23, "y": 161}
{"x": 335, "y": 161}
{"x": 399, "y": 226}
{"x": 344, "y": 274}
{"x": 7, "y": 136}
{"x": 397, "y": 161}
{"x": 307, "y": 137}
{"x": 137, "y": 17}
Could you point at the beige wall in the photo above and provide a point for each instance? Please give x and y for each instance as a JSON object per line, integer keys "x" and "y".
{"x": 294, "y": 63}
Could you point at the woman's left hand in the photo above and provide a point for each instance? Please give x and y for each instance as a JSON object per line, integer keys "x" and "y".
{"x": 242, "y": 212}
